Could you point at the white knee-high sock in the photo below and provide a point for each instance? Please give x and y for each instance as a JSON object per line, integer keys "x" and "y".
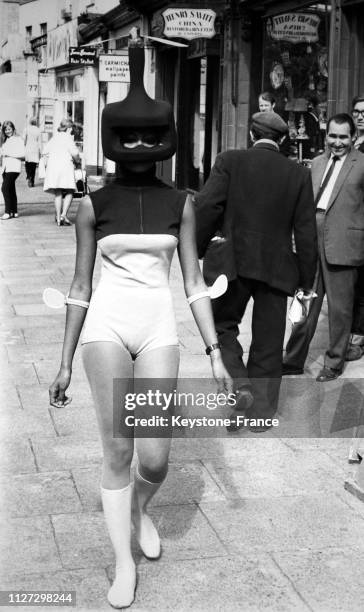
{"x": 145, "y": 532}
{"x": 117, "y": 511}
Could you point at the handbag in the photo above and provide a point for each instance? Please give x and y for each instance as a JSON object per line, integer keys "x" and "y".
{"x": 81, "y": 183}
{"x": 42, "y": 168}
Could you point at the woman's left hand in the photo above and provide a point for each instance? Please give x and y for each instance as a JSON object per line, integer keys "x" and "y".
{"x": 221, "y": 375}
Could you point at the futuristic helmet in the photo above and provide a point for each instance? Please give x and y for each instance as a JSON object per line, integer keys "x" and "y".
{"x": 138, "y": 128}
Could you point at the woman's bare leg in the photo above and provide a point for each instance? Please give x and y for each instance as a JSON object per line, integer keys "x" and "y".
{"x": 156, "y": 370}
{"x": 58, "y": 204}
{"x": 104, "y": 362}
{"x": 67, "y": 201}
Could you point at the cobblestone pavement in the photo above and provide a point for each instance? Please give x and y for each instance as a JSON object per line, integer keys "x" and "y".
{"x": 247, "y": 523}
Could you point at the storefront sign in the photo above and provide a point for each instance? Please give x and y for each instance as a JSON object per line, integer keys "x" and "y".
{"x": 83, "y": 55}
{"x": 114, "y": 68}
{"x": 189, "y": 23}
{"x": 294, "y": 27}
{"x": 59, "y": 42}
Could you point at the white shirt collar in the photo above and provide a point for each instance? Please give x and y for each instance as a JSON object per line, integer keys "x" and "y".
{"x": 267, "y": 141}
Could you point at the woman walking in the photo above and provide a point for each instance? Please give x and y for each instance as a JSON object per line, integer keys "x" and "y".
{"x": 32, "y": 141}
{"x": 12, "y": 152}
{"x": 60, "y": 155}
{"x": 130, "y": 332}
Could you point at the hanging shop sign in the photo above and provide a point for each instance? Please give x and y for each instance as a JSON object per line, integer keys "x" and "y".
{"x": 59, "y": 42}
{"x": 294, "y": 27}
{"x": 114, "y": 68}
{"x": 189, "y": 23}
{"x": 86, "y": 56}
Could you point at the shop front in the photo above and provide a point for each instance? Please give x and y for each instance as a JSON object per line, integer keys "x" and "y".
{"x": 308, "y": 57}
{"x": 295, "y": 72}
{"x": 190, "y": 79}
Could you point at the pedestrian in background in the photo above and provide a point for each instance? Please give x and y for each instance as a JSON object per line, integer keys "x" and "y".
{"x": 267, "y": 103}
{"x": 60, "y": 155}
{"x": 32, "y": 141}
{"x": 338, "y": 184}
{"x": 12, "y": 152}
{"x": 356, "y": 345}
{"x": 257, "y": 218}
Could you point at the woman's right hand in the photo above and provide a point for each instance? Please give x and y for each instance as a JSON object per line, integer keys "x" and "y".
{"x": 57, "y": 390}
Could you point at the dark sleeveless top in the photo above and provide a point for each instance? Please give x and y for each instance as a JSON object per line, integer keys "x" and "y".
{"x": 149, "y": 207}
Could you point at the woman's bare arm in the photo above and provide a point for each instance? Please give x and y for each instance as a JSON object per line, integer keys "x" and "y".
{"x": 194, "y": 284}
{"x": 81, "y": 289}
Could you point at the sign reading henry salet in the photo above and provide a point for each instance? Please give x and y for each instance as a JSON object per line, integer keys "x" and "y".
{"x": 294, "y": 27}
{"x": 189, "y": 23}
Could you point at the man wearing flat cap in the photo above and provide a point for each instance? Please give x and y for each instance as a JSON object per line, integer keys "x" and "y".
{"x": 251, "y": 203}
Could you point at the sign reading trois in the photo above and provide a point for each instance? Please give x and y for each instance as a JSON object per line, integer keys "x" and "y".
{"x": 189, "y": 23}
{"x": 294, "y": 27}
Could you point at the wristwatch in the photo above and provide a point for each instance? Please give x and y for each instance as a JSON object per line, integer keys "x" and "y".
{"x": 212, "y": 347}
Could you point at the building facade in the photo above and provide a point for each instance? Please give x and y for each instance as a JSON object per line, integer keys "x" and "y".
{"x": 306, "y": 54}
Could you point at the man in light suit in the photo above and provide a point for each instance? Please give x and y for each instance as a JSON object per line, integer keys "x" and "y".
{"x": 256, "y": 199}
{"x": 338, "y": 184}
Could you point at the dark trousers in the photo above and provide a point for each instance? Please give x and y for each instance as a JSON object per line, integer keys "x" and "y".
{"x": 30, "y": 168}
{"x": 338, "y": 283}
{"x": 263, "y": 371}
{"x": 358, "y": 316}
{"x": 9, "y": 193}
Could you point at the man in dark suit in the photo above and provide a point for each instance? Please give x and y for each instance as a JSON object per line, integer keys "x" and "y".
{"x": 338, "y": 184}
{"x": 255, "y": 199}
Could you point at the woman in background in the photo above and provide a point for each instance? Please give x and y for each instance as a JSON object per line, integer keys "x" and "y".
{"x": 32, "y": 143}
{"x": 61, "y": 154}
{"x": 12, "y": 152}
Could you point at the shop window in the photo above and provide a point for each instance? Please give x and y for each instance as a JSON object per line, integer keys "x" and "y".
{"x": 76, "y": 83}
{"x": 295, "y": 72}
{"x": 60, "y": 84}
{"x": 73, "y": 110}
{"x": 43, "y": 29}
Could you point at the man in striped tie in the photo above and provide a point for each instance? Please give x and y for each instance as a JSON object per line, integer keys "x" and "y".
{"x": 338, "y": 184}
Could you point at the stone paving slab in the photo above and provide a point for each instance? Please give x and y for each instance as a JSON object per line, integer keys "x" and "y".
{"x": 235, "y": 584}
{"x": 18, "y": 423}
{"x": 37, "y": 352}
{"x": 330, "y": 580}
{"x": 75, "y": 421}
{"x": 18, "y": 373}
{"x": 273, "y": 475}
{"x": 90, "y": 585}
{"x": 28, "y": 546}
{"x": 185, "y": 483}
{"x": 38, "y": 494}
{"x": 16, "y": 458}
{"x": 280, "y": 524}
{"x": 65, "y": 453}
{"x": 185, "y": 534}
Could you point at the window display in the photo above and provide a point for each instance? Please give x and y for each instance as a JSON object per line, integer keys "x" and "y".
{"x": 295, "y": 71}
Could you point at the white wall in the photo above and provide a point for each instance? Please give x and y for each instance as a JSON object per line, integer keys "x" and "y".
{"x": 13, "y": 105}
{"x": 37, "y": 12}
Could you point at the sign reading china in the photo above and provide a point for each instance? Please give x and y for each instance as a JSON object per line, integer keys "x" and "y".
{"x": 294, "y": 27}
{"x": 189, "y": 23}
{"x": 59, "y": 42}
{"x": 114, "y": 68}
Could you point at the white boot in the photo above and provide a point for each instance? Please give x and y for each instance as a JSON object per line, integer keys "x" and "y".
{"x": 146, "y": 533}
{"x": 117, "y": 511}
